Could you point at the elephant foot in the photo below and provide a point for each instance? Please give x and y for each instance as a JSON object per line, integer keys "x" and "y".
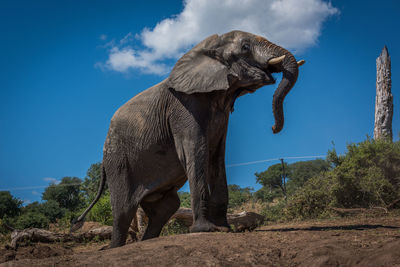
{"x": 208, "y": 227}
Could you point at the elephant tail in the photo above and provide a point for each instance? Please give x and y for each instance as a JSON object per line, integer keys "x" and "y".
{"x": 77, "y": 223}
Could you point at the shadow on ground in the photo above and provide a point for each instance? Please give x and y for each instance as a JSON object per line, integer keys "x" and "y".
{"x": 359, "y": 227}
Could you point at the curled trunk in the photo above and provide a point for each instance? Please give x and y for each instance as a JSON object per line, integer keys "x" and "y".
{"x": 289, "y": 76}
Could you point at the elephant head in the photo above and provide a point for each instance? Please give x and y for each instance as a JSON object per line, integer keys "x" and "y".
{"x": 237, "y": 62}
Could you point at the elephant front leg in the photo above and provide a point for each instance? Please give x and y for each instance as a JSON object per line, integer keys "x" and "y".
{"x": 218, "y": 187}
{"x": 194, "y": 156}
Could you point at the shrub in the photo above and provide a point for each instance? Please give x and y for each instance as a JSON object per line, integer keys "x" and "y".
{"x": 31, "y": 219}
{"x": 52, "y": 210}
{"x": 91, "y": 183}
{"x": 185, "y": 199}
{"x": 274, "y": 212}
{"x": 238, "y": 195}
{"x": 174, "y": 227}
{"x": 101, "y": 212}
{"x": 368, "y": 175}
{"x": 312, "y": 200}
{"x": 301, "y": 171}
{"x": 67, "y": 193}
{"x": 267, "y": 195}
{"x": 9, "y": 205}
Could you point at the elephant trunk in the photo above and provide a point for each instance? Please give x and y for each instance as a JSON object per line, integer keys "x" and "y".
{"x": 289, "y": 68}
{"x": 289, "y": 77}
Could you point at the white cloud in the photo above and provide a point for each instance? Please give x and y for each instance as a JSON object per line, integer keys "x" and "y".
{"x": 51, "y": 180}
{"x": 34, "y": 192}
{"x": 293, "y": 24}
{"x": 103, "y": 37}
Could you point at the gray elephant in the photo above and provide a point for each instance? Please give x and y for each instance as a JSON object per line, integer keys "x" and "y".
{"x": 176, "y": 131}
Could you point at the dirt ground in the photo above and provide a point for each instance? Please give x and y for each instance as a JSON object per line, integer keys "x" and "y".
{"x": 342, "y": 242}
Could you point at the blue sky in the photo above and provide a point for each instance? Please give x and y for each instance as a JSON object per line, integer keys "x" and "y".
{"x": 59, "y": 86}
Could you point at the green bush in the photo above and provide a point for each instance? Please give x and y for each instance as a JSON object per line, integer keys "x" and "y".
{"x": 52, "y": 210}
{"x": 272, "y": 179}
{"x": 185, "y": 199}
{"x": 274, "y": 212}
{"x": 31, "y": 219}
{"x": 296, "y": 175}
{"x": 6, "y": 224}
{"x": 238, "y": 195}
{"x": 65, "y": 221}
{"x": 174, "y": 227}
{"x": 101, "y": 212}
{"x": 67, "y": 193}
{"x": 267, "y": 195}
{"x": 91, "y": 183}
{"x": 312, "y": 200}
{"x": 301, "y": 171}
{"x": 9, "y": 205}
{"x": 367, "y": 175}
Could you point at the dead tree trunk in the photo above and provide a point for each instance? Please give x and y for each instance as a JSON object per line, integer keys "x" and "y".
{"x": 384, "y": 97}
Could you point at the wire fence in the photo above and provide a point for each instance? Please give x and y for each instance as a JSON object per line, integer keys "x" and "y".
{"x": 266, "y": 160}
{"x": 227, "y": 166}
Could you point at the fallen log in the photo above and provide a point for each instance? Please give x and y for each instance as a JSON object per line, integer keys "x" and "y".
{"x": 240, "y": 222}
{"x": 45, "y": 236}
{"x": 37, "y": 235}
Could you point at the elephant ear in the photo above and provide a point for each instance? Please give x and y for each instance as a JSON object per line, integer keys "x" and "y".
{"x": 200, "y": 70}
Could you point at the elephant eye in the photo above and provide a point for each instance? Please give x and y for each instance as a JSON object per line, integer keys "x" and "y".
{"x": 246, "y": 47}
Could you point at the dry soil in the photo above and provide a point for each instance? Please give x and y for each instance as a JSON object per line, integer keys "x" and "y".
{"x": 341, "y": 242}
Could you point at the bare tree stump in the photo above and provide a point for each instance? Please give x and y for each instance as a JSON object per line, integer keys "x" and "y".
{"x": 384, "y": 97}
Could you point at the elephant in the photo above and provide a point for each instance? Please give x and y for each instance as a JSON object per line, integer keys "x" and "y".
{"x": 176, "y": 131}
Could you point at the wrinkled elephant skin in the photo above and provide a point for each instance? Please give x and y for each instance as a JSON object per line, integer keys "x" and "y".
{"x": 176, "y": 130}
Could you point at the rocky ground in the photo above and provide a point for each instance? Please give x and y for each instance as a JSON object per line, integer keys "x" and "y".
{"x": 341, "y": 242}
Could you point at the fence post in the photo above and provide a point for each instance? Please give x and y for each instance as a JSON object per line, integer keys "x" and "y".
{"x": 284, "y": 179}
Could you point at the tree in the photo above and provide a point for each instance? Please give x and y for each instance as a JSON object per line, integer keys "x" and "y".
{"x": 101, "y": 212}
{"x": 301, "y": 171}
{"x": 185, "y": 199}
{"x": 31, "y": 219}
{"x": 238, "y": 195}
{"x": 9, "y": 205}
{"x": 67, "y": 193}
{"x": 91, "y": 183}
{"x": 32, "y": 207}
{"x": 266, "y": 195}
{"x": 296, "y": 175}
{"x": 50, "y": 209}
{"x": 272, "y": 177}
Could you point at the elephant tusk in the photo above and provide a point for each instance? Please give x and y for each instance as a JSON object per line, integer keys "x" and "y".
{"x": 276, "y": 60}
{"x": 300, "y": 62}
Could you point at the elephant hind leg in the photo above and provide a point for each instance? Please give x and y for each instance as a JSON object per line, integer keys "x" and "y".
{"x": 159, "y": 213}
{"x": 123, "y": 213}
